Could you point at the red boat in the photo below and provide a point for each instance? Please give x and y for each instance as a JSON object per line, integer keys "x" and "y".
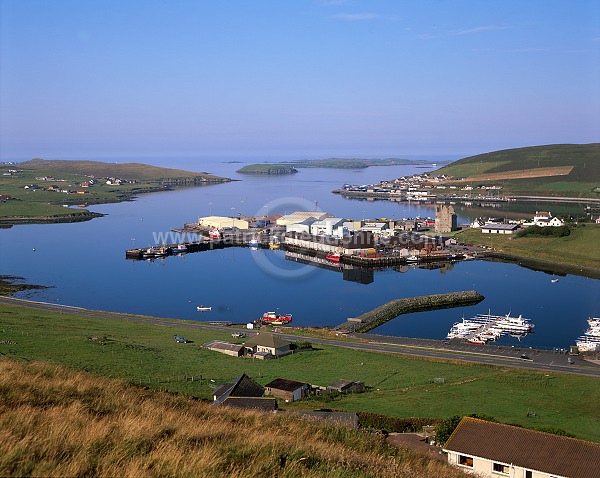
{"x": 333, "y": 258}
{"x": 273, "y": 317}
{"x": 214, "y": 234}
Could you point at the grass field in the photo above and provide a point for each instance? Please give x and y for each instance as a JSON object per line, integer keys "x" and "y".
{"x": 582, "y": 161}
{"x": 400, "y": 386}
{"x": 58, "y": 422}
{"x": 579, "y": 248}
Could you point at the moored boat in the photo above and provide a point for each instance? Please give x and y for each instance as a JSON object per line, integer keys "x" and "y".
{"x": 590, "y": 340}
{"x": 155, "y": 251}
{"x": 333, "y": 257}
{"x": 275, "y": 318}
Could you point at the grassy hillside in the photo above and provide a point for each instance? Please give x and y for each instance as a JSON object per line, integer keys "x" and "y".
{"x": 66, "y": 183}
{"x": 141, "y": 172}
{"x": 553, "y": 170}
{"x": 400, "y": 386}
{"x": 59, "y": 422}
{"x": 578, "y": 248}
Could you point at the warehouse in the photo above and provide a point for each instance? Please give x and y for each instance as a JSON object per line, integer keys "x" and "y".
{"x": 221, "y": 222}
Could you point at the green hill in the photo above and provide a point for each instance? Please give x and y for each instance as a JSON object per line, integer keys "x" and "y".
{"x": 550, "y": 170}
{"x": 141, "y": 172}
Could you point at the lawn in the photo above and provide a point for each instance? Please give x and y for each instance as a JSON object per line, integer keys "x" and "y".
{"x": 579, "y": 248}
{"x": 146, "y": 354}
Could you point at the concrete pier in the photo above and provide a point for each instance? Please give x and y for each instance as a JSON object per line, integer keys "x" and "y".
{"x": 383, "y": 313}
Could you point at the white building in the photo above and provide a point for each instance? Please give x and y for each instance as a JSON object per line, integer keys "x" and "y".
{"x": 330, "y": 226}
{"x": 301, "y": 216}
{"x": 544, "y": 219}
{"x": 495, "y": 450}
{"x": 496, "y": 228}
{"x": 221, "y": 222}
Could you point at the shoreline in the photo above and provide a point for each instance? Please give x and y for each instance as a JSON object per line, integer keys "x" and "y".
{"x": 86, "y": 215}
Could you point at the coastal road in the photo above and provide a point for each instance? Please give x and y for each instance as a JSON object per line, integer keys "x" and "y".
{"x": 503, "y": 356}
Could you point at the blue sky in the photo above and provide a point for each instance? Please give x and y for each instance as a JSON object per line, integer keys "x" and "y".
{"x": 295, "y": 78}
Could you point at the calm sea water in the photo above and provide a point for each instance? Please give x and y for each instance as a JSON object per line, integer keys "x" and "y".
{"x": 85, "y": 263}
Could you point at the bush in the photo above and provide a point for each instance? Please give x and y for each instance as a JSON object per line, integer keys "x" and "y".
{"x": 548, "y": 231}
{"x": 394, "y": 424}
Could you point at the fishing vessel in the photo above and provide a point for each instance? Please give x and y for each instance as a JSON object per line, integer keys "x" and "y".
{"x": 179, "y": 249}
{"x": 333, "y": 258}
{"x": 276, "y": 319}
{"x": 155, "y": 251}
{"x": 590, "y": 340}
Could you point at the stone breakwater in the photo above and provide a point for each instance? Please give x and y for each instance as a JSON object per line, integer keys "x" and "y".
{"x": 390, "y": 310}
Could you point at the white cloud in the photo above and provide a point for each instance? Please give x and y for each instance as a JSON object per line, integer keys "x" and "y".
{"x": 483, "y": 28}
{"x": 355, "y": 16}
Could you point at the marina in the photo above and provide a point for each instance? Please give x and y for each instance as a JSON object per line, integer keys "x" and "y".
{"x": 590, "y": 340}
{"x": 484, "y": 328}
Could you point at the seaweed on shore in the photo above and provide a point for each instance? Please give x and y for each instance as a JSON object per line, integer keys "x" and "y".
{"x": 10, "y": 285}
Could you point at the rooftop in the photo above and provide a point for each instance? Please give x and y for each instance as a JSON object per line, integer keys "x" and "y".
{"x": 285, "y": 384}
{"x": 531, "y": 449}
{"x": 267, "y": 340}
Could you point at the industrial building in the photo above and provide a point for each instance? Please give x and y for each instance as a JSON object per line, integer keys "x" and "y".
{"x": 301, "y": 216}
{"x": 222, "y": 222}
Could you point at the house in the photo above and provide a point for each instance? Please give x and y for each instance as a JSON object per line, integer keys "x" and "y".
{"x": 288, "y": 390}
{"x": 347, "y": 386}
{"x": 267, "y": 346}
{"x": 544, "y": 219}
{"x": 495, "y": 450}
{"x": 499, "y": 228}
{"x": 227, "y": 348}
{"x": 242, "y": 386}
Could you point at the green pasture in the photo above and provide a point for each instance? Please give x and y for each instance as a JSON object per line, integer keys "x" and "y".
{"x": 146, "y": 354}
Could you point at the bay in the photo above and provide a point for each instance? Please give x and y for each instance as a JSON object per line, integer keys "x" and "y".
{"x": 86, "y": 267}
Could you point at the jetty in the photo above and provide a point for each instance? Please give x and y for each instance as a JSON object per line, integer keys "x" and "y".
{"x": 383, "y": 313}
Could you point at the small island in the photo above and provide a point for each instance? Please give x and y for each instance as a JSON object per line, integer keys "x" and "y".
{"x": 354, "y": 163}
{"x": 267, "y": 169}
{"x": 55, "y": 191}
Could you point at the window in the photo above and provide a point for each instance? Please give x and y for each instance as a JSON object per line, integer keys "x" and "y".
{"x": 465, "y": 460}
{"x": 500, "y": 468}
{"x": 528, "y": 474}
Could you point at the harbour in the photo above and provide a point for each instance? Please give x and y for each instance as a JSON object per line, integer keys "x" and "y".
{"x": 267, "y": 279}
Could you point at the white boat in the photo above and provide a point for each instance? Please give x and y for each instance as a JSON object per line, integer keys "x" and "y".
{"x": 590, "y": 340}
{"x": 202, "y": 308}
{"x": 483, "y": 328}
{"x": 179, "y": 249}
{"x": 412, "y": 258}
{"x": 554, "y": 281}
{"x": 253, "y": 243}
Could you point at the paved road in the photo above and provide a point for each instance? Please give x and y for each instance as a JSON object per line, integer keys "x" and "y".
{"x": 480, "y": 354}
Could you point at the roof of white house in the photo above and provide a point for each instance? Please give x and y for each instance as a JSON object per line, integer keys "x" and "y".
{"x": 267, "y": 340}
{"x": 530, "y": 449}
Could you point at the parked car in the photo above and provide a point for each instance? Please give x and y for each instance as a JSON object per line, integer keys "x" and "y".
{"x": 180, "y": 340}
